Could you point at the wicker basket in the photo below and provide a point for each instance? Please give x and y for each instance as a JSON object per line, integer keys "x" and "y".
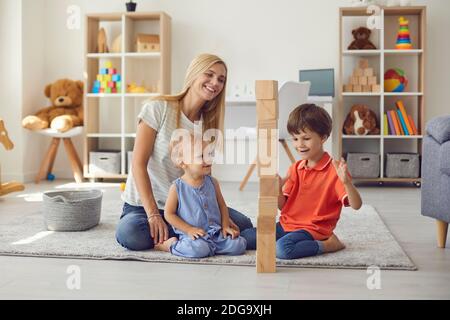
{"x": 72, "y": 210}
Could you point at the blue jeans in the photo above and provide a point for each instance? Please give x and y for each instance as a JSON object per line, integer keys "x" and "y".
{"x": 290, "y": 245}
{"x": 133, "y": 231}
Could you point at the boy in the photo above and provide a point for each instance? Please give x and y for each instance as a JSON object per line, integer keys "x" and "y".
{"x": 313, "y": 193}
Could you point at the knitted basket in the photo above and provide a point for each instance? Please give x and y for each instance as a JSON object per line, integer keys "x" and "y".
{"x": 72, "y": 210}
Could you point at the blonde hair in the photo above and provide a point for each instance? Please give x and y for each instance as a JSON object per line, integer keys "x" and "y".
{"x": 213, "y": 111}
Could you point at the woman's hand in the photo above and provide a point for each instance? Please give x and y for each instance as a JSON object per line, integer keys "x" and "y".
{"x": 158, "y": 228}
{"x": 342, "y": 171}
{"x": 196, "y": 233}
{"x": 230, "y": 231}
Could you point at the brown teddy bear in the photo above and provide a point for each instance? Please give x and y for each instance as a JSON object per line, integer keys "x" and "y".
{"x": 361, "y": 41}
{"x": 66, "y": 111}
{"x": 361, "y": 121}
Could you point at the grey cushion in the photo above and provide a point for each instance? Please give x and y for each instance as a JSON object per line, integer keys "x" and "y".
{"x": 439, "y": 129}
{"x": 445, "y": 158}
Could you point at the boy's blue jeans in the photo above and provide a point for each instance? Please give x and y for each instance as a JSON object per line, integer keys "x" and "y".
{"x": 133, "y": 231}
{"x": 290, "y": 245}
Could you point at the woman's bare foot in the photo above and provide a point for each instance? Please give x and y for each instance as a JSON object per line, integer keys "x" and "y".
{"x": 165, "y": 246}
{"x": 332, "y": 244}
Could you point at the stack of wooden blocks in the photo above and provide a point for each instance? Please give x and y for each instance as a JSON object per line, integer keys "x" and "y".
{"x": 363, "y": 79}
{"x": 267, "y": 118}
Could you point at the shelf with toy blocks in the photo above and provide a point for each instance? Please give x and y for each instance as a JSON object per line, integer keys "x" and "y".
{"x": 104, "y": 76}
{"x": 361, "y": 74}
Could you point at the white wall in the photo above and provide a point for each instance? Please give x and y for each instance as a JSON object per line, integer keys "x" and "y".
{"x": 259, "y": 39}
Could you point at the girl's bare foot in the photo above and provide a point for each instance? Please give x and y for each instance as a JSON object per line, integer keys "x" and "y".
{"x": 165, "y": 246}
{"x": 332, "y": 244}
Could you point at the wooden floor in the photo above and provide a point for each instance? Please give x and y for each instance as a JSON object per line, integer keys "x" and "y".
{"x": 46, "y": 278}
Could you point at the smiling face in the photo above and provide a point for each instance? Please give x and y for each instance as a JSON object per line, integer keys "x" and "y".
{"x": 309, "y": 144}
{"x": 210, "y": 83}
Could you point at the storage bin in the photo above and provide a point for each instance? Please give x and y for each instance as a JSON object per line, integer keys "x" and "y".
{"x": 402, "y": 165}
{"x": 107, "y": 161}
{"x": 72, "y": 210}
{"x": 364, "y": 165}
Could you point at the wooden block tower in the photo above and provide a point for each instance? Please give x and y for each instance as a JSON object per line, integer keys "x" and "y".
{"x": 363, "y": 79}
{"x": 267, "y": 119}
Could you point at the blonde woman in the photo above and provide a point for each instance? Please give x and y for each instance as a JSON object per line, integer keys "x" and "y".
{"x": 142, "y": 223}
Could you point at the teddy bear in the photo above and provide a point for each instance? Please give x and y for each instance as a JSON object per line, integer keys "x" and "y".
{"x": 361, "y": 121}
{"x": 361, "y": 42}
{"x": 66, "y": 110}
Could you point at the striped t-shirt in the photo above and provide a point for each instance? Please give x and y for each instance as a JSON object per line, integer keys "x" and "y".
{"x": 162, "y": 117}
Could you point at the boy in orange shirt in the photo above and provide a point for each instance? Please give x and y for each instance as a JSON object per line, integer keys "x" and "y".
{"x": 313, "y": 193}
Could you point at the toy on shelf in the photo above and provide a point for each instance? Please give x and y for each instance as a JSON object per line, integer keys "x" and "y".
{"x": 7, "y": 187}
{"x": 147, "y": 43}
{"x": 117, "y": 44}
{"x": 403, "y": 37}
{"x": 134, "y": 88}
{"x": 361, "y": 41}
{"x": 361, "y": 121}
{"x": 395, "y": 80}
{"x": 108, "y": 80}
{"x": 102, "y": 46}
{"x": 363, "y": 79}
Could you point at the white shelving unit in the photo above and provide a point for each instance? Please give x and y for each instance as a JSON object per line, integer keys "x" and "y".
{"x": 382, "y": 59}
{"x": 110, "y": 118}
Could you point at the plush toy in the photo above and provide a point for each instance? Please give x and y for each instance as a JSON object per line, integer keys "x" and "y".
{"x": 66, "y": 111}
{"x": 361, "y": 42}
{"x": 361, "y": 121}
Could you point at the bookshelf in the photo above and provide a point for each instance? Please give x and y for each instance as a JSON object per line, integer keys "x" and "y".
{"x": 386, "y": 56}
{"x": 110, "y": 118}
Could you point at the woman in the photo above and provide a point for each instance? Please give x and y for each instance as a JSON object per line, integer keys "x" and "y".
{"x": 142, "y": 224}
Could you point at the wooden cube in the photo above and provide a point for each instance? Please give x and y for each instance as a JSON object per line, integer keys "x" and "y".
{"x": 376, "y": 88}
{"x": 358, "y": 72}
{"x": 363, "y": 81}
{"x": 367, "y": 88}
{"x": 371, "y": 80}
{"x": 267, "y": 109}
{"x": 266, "y": 90}
{"x": 354, "y": 80}
{"x": 357, "y": 88}
{"x": 268, "y": 206}
{"x": 266, "y": 244}
{"x": 363, "y": 63}
{"x": 269, "y": 187}
{"x": 348, "y": 88}
{"x": 368, "y": 72}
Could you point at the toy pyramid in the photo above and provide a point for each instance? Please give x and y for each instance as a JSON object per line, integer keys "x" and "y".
{"x": 403, "y": 37}
{"x": 108, "y": 80}
{"x": 363, "y": 79}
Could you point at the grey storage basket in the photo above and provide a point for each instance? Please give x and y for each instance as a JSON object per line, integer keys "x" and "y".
{"x": 364, "y": 165}
{"x": 402, "y": 165}
{"x": 72, "y": 210}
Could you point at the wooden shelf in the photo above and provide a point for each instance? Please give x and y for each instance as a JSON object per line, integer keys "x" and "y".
{"x": 385, "y": 57}
{"x": 112, "y": 122}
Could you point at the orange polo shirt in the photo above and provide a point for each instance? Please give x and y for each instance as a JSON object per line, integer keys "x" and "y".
{"x": 315, "y": 198}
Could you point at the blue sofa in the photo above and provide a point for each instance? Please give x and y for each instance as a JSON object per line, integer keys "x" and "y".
{"x": 436, "y": 175}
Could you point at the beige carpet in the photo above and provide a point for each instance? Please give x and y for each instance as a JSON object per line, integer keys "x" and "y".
{"x": 368, "y": 242}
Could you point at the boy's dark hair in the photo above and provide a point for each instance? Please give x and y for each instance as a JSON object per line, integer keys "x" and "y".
{"x": 312, "y": 117}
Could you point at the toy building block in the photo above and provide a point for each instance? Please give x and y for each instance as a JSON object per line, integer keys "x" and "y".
{"x": 371, "y": 80}
{"x": 357, "y": 88}
{"x": 368, "y": 72}
{"x": 267, "y": 109}
{"x": 266, "y": 248}
{"x": 364, "y": 63}
{"x": 267, "y": 148}
{"x": 358, "y": 72}
{"x": 268, "y": 206}
{"x": 354, "y": 81}
{"x": 266, "y": 90}
{"x": 363, "y": 81}
{"x": 348, "y": 88}
{"x": 376, "y": 88}
{"x": 367, "y": 88}
{"x": 269, "y": 187}
{"x": 108, "y": 64}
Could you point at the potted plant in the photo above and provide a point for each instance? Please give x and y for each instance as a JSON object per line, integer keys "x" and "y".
{"x": 131, "y": 6}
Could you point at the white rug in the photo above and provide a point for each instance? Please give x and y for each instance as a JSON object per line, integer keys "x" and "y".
{"x": 368, "y": 242}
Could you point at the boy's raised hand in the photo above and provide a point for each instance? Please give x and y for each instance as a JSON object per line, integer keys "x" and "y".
{"x": 342, "y": 170}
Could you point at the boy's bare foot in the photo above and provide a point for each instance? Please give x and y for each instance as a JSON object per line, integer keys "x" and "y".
{"x": 332, "y": 244}
{"x": 165, "y": 246}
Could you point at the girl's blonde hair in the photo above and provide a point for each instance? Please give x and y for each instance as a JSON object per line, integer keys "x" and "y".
{"x": 213, "y": 111}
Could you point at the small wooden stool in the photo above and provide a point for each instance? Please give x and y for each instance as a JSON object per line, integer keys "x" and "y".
{"x": 49, "y": 159}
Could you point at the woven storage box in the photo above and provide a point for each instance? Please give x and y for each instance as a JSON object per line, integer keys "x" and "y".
{"x": 402, "y": 165}
{"x": 104, "y": 162}
{"x": 364, "y": 165}
{"x": 72, "y": 210}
